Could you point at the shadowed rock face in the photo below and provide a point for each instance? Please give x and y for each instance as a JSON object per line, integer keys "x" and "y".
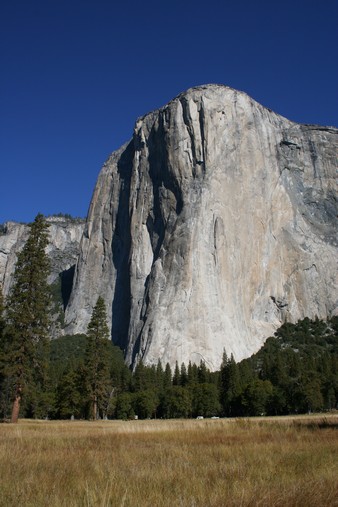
{"x": 215, "y": 224}
{"x": 63, "y": 249}
{"x": 64, "y": 240}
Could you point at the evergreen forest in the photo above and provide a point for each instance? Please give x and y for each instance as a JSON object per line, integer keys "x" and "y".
{"x": 85, "y": 377}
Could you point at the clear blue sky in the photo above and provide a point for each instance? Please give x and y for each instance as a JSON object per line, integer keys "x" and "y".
{"x": 75, "y": 75}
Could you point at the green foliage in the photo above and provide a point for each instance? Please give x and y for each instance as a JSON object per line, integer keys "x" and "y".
{"x": 71, "y": 394}
{"x": 124, "y": 406}
{"x": 177, "y": 375}
{"x": 144, "y": 377}
{"x": 57, "y": 305}
{"x": 68, "y": 217}
{"x": 28, "y": 317}
{"x": 295, "y": 371}
{"x": 176, "y": 402}
{"x": 183, "y": 376}
{"x": 203, "y": 374}
{"x": 256, "y": 397}
{"x": 301, "y": 363}
{"x": 230, "y": 386}
{"x": 97, "y": 360}
{"x": 2, "y": 332}
{"x": 192, "y": 373}
{"x": 4, "y": 381}
{"x": 146, "y": 403}
{"x": 205, "y": 400}
{"x": 167, "y": 377}
{"x": 69, "y": 377}
{"x": 66, "y": 353}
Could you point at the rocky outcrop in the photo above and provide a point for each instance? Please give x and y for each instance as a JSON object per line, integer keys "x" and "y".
{"x": 63, "y": 250}
{"x": 212, "y": 226}
{"x": 12, "y": 238}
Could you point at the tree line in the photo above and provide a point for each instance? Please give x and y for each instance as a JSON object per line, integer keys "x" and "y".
{"x": 84, "y": 376}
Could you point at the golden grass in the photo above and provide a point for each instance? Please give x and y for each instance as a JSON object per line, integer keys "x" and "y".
{"x": 256, "y": 462}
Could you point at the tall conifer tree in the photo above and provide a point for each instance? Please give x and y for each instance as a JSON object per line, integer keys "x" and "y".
{"x": 2, "y": 355}
{"x": 2, "y": 312}
{"x": 230, "y": 384}
{"x": 97, "y": 360}
{"x": 2, "y": 330}
{"x": 28, "y": 315}
{"x": 176, "y": 376}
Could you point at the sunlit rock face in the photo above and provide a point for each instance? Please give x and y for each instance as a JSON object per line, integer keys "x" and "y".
{"x": 215, "y": 224}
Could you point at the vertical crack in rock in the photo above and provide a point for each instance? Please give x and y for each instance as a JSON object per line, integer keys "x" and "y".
{"x": 167, "y": 195}
{"x": 193, "y": 120}
{"x": 67, "y": 277}
{"x": 314, "y": 157}
{"x": 201, "y": 119}
{"x": 121, "y": 243}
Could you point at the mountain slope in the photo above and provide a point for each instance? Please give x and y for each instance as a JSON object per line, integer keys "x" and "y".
{"x": 211, "y": 227}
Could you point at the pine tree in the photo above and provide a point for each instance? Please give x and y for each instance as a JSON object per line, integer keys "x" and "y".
{"x": 192, "y": 373}
{"x": 167, "y": 377}
{"x": 159, "y": 374}
{"x": 2, "y": 333}
{"x": 176, "y": 376}
{"x": 184, "y": 375}
{"x": 97, "y": 359}
{"x": 140, "y": 380}
{"x": 3, "y": 346}
{"x": 202, "y": 373}
{"x": 2, "y": 313}
{"x": 70, "y": 394}
{"x": 28, "y": 316}
{"x": 230, "y": 388}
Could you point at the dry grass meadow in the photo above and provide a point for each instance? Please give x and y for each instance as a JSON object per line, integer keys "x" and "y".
{"x": 245, "y": 462}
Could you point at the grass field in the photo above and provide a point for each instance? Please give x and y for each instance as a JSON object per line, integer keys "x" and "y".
{"x": 245, "y": 462}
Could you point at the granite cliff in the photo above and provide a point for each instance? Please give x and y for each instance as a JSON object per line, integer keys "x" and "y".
{"x": 63, "y": 250}
{"x": 211, "y": 227}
